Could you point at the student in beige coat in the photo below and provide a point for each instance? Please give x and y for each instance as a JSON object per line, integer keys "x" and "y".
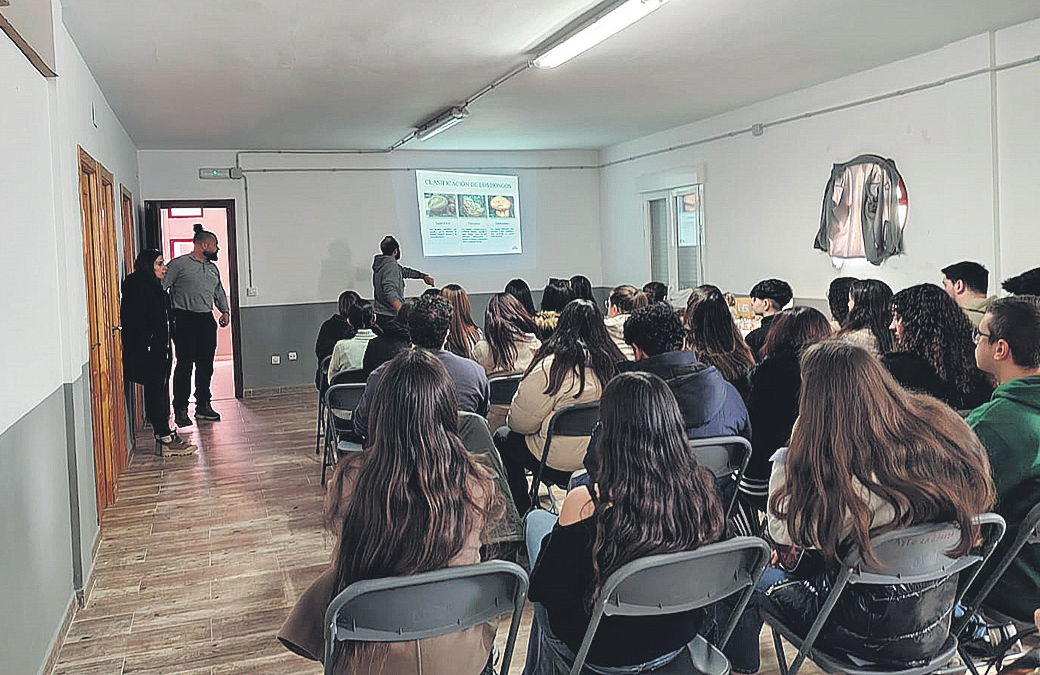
{"x": 623, "y": 301}
{"x": 572, "y": 367}
{"x": 508, "y": 346}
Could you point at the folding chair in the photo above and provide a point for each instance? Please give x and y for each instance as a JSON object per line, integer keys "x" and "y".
{"x": 678, "y": 582}
{"x": 1028, "y": 532}
{"x": 427, "y": 605}
{"x": 725, "y": 456}
{"x": 573, "y": 421}
{"x": 503, "y": 389}
{"x": 321, "y": 380}
{"x": 476, "y": 436}
{"x": 340, "y": 401}
{"x": 911, "y": 555}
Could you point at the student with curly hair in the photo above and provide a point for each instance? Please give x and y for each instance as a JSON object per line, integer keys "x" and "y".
{"x": 714, "y": 337}
{"x": 934, "y": 353}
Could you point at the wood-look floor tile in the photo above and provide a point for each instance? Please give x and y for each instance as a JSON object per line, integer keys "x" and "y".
{"x": 111, "y": 666}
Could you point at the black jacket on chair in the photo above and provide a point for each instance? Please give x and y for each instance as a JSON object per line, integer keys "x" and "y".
{"x": 145, "y": 315}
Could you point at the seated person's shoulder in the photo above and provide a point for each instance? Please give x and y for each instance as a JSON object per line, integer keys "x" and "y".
{"x": 577, "y": 506}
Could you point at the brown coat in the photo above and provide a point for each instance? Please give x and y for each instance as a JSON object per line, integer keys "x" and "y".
{"x": 532, "y": 409}
{"x": 466, "y": 652}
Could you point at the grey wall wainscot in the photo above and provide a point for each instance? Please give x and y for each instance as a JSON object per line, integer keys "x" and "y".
{"x": 279, "y": 329}
{"x": 48, "y": 522}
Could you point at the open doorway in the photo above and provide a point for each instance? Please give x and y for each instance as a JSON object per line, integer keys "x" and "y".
{"x": 170, "y": 227}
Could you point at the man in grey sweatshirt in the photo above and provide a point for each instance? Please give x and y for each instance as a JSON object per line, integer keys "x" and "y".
{"x": 388, "y": 280}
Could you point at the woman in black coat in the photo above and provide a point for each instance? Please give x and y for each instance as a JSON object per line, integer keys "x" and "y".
{"x": 145, "y": 315}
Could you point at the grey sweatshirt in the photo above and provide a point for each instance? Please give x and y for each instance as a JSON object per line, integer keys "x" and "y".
{"x": 388, "y": 283}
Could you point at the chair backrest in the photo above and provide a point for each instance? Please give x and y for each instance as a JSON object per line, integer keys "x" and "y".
{"x": 725, "y": 456}
{"x": 427, "y": 605}
{"x": 350, "y": 377}
{"x": 574, "y": 420}
{"x": 503, "y": 388}
{"x": 1028, "y": 532}
{"x": 321, "y": 376}
{"x": 476, "y": 436}
{"x": 343, "y": 398}
{"x": 678, "y": 582}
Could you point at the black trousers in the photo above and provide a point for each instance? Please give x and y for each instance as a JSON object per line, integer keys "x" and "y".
{"x": 517, "y": 460}
{"x": 195, "y": 337}
{"x": 157, "y": 404}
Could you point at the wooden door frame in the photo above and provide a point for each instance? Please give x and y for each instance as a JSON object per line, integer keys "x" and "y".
{"x": 232, "y": 252}
{"x": 134, "y": 394}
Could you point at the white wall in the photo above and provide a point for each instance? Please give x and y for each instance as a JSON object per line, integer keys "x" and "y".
{"x": 763, "y": 194}
{"x": 314, "y": 234}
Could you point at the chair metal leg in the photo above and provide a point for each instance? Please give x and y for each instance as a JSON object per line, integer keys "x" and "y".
{"x": 781, "y": 658}
{"x": 318, "y": 434}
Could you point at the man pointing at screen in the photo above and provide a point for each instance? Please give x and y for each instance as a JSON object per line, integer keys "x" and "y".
{"x": 388, "y": 280}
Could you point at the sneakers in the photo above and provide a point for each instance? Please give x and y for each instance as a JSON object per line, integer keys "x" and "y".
{"x": 206, "y": 412}
{"x": 174, "y": 446}
{"x": 180, "y": 417}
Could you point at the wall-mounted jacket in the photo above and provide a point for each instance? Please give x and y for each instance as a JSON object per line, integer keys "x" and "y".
{"x": 860, "y": 216}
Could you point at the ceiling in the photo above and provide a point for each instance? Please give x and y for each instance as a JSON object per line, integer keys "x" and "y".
{"x": 315, "y": 74}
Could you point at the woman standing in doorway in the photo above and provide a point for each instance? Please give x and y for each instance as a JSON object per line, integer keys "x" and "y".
{"x": 145, "y": 315}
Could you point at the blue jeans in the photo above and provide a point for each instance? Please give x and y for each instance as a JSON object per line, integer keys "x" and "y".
{"x": 742, "y": 648}
{"x": 547, "y": 654}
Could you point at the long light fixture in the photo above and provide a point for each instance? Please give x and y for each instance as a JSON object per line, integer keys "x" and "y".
{"x": 614, "y": 20}
{"x": 445, "y": 120}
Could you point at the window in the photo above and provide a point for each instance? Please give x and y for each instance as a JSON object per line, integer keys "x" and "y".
{"x": 185, "y": 212}
{"x": 675, "y": 227}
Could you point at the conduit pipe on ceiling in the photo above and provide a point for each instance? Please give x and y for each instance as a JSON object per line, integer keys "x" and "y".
{"x": 991, "y": 70}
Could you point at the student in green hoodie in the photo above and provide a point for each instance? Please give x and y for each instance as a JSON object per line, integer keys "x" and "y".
{"x": 1007, "y": 346}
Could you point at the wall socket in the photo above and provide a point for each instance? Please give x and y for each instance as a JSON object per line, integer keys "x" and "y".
{"x": 292, "y": 356}
{"x": 251, "y": 291}
{"x": 276, "y": 359}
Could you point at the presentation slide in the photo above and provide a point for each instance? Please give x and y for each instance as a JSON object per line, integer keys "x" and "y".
{"x": 468, "y": 213}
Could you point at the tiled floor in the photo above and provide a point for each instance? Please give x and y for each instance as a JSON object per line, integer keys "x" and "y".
{"x": 202, "y": 557}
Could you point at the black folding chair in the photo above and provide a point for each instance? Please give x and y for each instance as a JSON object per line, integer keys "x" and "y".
{"x": 503, "y": 389}
{"x": 911, "y": 555}
{"x": 725, "y": 456}
{"x": 321, "y": 383}
{"x": 678, "y": 582}
{"x": 340, "y": 401}
{"x": 573, "y": 421}
{"x": 421, "y": 606}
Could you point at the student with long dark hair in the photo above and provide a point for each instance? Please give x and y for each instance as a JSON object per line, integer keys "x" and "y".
{"x": 582, "y": 287}
{"x": 933, "y": 352}
{"x": 349, "y": 354}
{"x": 508, "y": 347}
{"x": 415, "y": 501}
{"x": 519, "y": 289}
{"x": 555, "y": 296}
{"x": 838, "y": 300}
{"x": 337, "y": 327}
{"x": 464, "y": 332}
{"x": 623, "y": 301}
{"x": 773, "y": 398}
{"x": 890, "y": 460}
{"x": 651, "y": 497}
{"x": 714, "y": 337}
{"x": 145, "y": 316}
{"x": 870, "y": 313}
{"x": 571, "y": 367}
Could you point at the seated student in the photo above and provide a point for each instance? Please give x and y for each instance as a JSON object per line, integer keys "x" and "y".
{"x": 508, "y": 346}
{"x": 555, "y": 296}
{"x": 651, "y": 498}
{"x": 967, "y": 282}
{"x": 710, "y": 405}
{"x": 464, "y": 333}
{"x": 582, "y": 287}
{"x": 656, "y": 291}
{"x": 443, "y": 504}
{"x": 349, "y": 355}
{"x": 570, "y": 368}
{"x": 337, "y": 327}
{"x": 428, "y": 324}
{"x": 891, "y": 460}
{"x": 933, "y": 352}
{"x": 519, "y": 289}
{"x": 1027, "y": 283}
{"x": 393, "y": 338}
{"x": 768, "y": 299}
{"x": 838, "y": 300}
{"x": 1008, "y": 347}
{"x": 623, "y": 301}
{"x": 713, "y": 335}
{"x": 870, "y": 313}
{"x": 773, "y": 399}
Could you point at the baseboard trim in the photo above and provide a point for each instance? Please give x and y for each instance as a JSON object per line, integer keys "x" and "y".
{"x": 275, "y": 391}
{"x": 59, "y": 639}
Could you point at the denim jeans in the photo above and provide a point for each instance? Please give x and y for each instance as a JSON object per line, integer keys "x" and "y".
{"x": 742, "y": 648}
{"x": 547, "y": 654}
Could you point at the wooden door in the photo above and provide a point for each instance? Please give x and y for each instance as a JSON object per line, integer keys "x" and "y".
{"x": 134, "y": 392}
{"x": 108, "y": 412}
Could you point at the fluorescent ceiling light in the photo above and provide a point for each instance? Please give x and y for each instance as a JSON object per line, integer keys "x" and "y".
{"x": 614, "y": 21}
{"x": 445, "y": 120}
